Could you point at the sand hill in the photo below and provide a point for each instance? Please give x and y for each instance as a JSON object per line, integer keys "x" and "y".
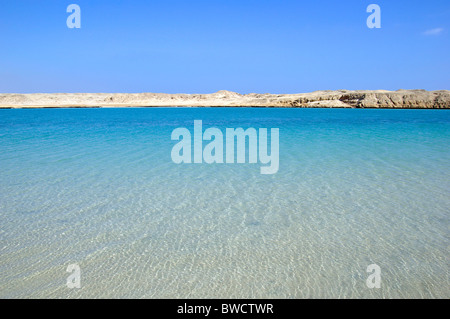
{"x": 340, "y": 99}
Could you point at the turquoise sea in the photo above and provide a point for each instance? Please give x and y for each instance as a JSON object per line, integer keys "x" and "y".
{"x": 98, "y": 188}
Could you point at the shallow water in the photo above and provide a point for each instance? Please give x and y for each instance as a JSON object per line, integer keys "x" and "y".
{"x": 98, "y": 188}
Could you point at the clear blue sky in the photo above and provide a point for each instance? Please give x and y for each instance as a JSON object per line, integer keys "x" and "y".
{"x": 192, "y": 46}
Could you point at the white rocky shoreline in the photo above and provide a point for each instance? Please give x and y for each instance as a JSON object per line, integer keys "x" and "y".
{"x": 416, "y": 99}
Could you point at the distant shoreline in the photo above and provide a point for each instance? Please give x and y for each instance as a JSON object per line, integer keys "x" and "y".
{"x": 400, "y": 99}
{"x": 43, "y": 107}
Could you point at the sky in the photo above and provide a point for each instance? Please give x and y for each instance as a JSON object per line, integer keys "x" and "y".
{"x": 193, "y": 46}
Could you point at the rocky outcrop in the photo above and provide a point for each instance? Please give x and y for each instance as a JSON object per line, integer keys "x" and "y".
{"x": 332, "y": 99}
